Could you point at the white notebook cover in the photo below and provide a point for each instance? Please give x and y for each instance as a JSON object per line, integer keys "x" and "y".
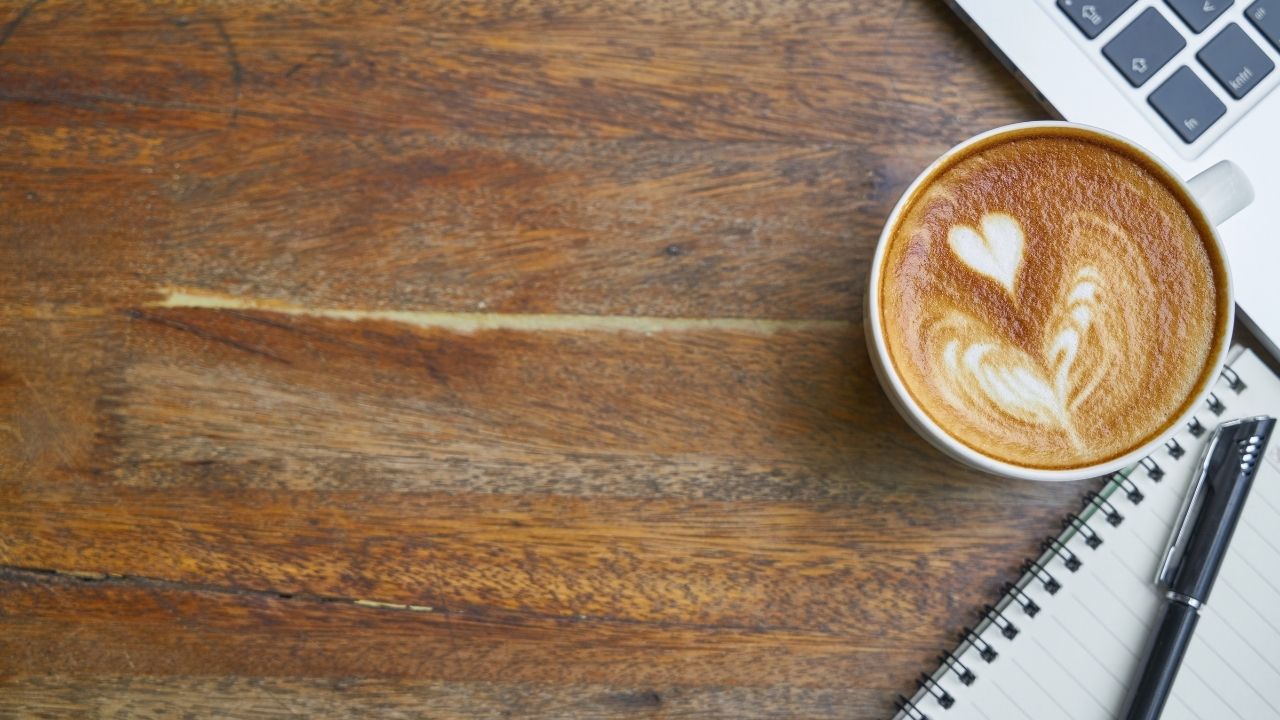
{"x": 1075, "y": 657}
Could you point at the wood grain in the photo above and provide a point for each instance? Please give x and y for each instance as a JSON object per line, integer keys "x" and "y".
{"x": 718, "y": 159}
{"x": 129, "y": 697}
{"x": 645, "y": 513}
{"x": 473, "y": 359}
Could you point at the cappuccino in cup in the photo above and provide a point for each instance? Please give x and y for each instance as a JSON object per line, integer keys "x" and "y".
{"x": 1049, "y": 299}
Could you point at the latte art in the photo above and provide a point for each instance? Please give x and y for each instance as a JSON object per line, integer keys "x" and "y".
{"x": 1039, "y": 321}
{"x": 1043, "y": 389}
{"x": 996, "y": 253}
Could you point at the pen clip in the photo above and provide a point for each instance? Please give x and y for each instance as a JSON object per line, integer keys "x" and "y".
{"x": 1246, "y": 433}
{"x": 1191, "y": 503}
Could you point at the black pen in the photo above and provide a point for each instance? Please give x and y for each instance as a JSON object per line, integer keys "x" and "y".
{"x": 1194, "y": 554}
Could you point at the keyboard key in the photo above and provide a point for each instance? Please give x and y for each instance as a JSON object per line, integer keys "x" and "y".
{"x": 1199, "y": 14}
{"x": 1236, "y": 61}
{"x": 1265, "y": 15}
{"x": 1093, "y": 16}
{"x": 1187, "y": 104}
{"x": 1144, "y": 47}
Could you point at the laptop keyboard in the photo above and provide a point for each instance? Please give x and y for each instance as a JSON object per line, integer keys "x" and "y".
{"x": 1235, "y": 61}
{"x": 1199, "y": 14}
{"x": 1092, "y": 17}
{"x": 1151, "y": 39}
{"x": 1265, "y": 15}
{"x": 1187, "y": 104}
{"x": 1143, "y": 47}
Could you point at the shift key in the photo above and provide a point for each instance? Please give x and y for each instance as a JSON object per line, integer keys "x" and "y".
{"x": 1093, "y": 16}
{"x": 1145, "y": 46}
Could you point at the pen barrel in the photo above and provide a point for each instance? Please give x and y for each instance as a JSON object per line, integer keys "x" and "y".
{"x": 1158, "y": 666}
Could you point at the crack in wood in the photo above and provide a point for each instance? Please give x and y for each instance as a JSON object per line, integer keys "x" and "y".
{"x": 237, "y": 70}
{"x": 92, "y": 102}
{"x": 471, "y": 322}
{"x": 23, "y": 573}
{"x": 202, "y": 333}
{"x": 13, "y": 24}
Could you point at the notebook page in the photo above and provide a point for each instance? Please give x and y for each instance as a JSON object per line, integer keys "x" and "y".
{"x": 1232, "y": 668}
{"x": 1076, "y": 655}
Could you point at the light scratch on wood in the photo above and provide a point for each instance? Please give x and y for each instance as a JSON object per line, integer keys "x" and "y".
{"x": 394, "y": 606}
{"x": 471, "y": 322}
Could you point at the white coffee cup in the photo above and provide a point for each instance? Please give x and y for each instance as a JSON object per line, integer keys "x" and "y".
{"x": 1219, "y": 192}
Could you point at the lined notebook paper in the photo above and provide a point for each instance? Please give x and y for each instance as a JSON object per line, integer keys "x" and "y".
{"x": 1063, "y": 641}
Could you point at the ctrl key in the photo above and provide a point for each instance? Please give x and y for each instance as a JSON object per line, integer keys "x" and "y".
{"x": 1187, "y": 104}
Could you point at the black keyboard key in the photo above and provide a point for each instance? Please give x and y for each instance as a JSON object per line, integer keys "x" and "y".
{"x": 1199, "y": 14}
{"x": 1093, "y": 16}
{"x": 1144, "y": 47}
{"x": 1265, "y": 15}
{"x": 1187, "y": 104}
{"x": 1236, "y": 61}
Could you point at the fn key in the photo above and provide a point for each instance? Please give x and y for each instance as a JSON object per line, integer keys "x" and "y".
{"x": 1187, "y": 104}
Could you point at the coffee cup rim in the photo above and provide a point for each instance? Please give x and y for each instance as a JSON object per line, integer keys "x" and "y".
{"x": 944, "y": 440}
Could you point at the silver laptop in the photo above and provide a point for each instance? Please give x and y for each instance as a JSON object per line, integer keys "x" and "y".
{"x": 1191, "y": 80}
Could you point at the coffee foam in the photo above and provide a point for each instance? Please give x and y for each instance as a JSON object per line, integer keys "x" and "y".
{"x": 1050, "y": 301}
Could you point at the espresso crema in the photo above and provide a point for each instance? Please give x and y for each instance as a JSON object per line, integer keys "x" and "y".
{"x": 1051, "y": 300}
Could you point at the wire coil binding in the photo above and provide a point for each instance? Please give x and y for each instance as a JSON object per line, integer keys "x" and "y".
{"x": 906, "y": 706}
{"x": 1094, "y": 500}
{"x": 1035, "y": 570}
{"x": 1091, "y": 538}
{"x": 1194, "y": 426}
{"x": 974, "y": 640}
{"x": 1019, "y": 596}
{"x": 1233, "y": 380}
{"x": 1216, "y": 405}
{"x": 1046, "y": 578}
{"x": 952, "y": 663}
{"x": 997, "y": 618}
{"x": 1154, "y": 471}
{"x": 931, "y": 686}
{"x": 1055, "y": 546}
{"x": 1128, "y": 487}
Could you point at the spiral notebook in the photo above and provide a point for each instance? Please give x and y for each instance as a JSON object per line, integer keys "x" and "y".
{"x": 1063, "y": 639}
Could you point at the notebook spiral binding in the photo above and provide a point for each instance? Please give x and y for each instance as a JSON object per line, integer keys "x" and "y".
{"x": 1029, "y": 606}
{"x": 908, "y": 709}
{"x": 1055, "y": 546}
{"x": 962, "y": 671}
{"x": 1096, "y": 503}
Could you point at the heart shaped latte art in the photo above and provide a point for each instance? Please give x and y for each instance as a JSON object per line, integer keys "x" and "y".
{"x": 1043, "y": 385}
{"x": 1042, "y": 391}
{"x": 996, "y": 252}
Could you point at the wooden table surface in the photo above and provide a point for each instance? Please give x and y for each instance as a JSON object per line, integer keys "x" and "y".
{"x": 474, "y": 359}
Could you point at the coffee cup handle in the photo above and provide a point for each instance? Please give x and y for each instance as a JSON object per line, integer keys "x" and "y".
{"x": 1221, "y": 191}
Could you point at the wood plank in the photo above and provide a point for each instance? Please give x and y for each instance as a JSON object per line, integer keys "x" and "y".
{"x": 229, "y": 398}
{"x": 271, "y": 697}
{"x": 710, "y": 179}
{"x": 736, "y": 70}
{"x": 677, "y": 229}
{"x": 65, "y": 626}
{"x": 284, "y": 453}
{"x": 852, "y": 571}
